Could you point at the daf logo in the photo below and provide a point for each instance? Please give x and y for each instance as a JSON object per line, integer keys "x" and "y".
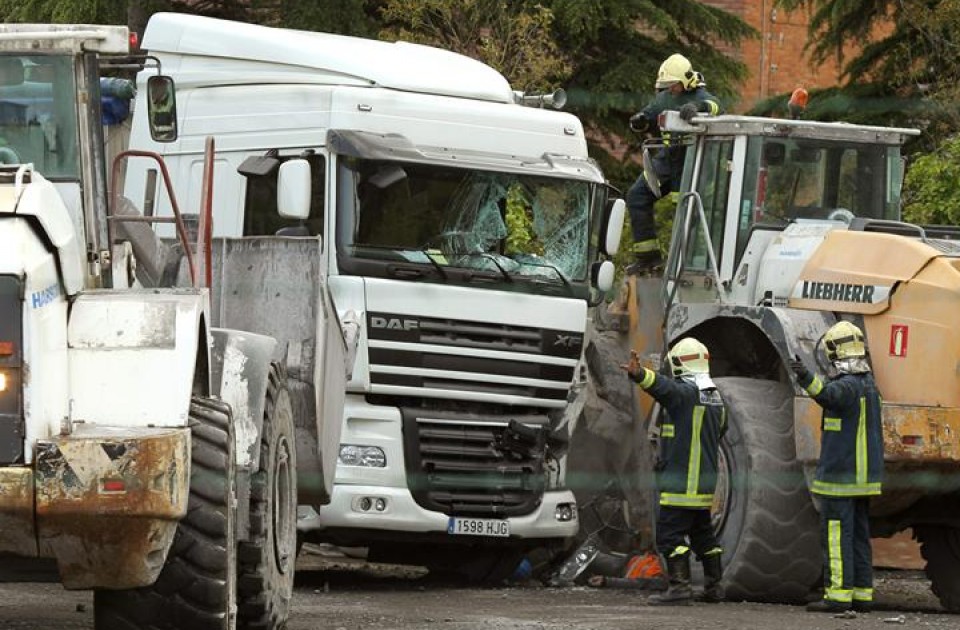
{"x": 567, "y": 341}
{"x": 394, "y": 323}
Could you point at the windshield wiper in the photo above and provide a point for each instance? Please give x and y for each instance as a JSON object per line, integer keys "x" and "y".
{"x": 555, "y": 269}
{"x": 426, "y": 253}
{"x": 491, "y": 258}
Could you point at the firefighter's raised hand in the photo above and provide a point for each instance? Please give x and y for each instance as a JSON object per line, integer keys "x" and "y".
{"x": 633, "y": 367}
{"x": 797, "y": 367}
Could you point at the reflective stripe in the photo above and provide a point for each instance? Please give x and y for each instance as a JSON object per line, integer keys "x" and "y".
{"x": 649, "y": 376}
{"x": 679, "y": 550}
{"x": 815, "y": 387}
{"x": 693, "y": 464}
{"x": 842, "y": 595}
{"x": 862, "y": 444}
{"x": 714, "y": 552}
{"x": 863, "y": 594}
{"x": 831, "y": 424}
{"x": 686, "y": 500}
{"x": 641, "y": 247}
{"x": 845, "y": 489}
{"x": 666, "y": 430}
{"x": 713, "y": 108}
{"x": 835, "y": 558}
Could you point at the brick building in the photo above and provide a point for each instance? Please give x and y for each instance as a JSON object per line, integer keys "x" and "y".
{"x": 777, "y": 60}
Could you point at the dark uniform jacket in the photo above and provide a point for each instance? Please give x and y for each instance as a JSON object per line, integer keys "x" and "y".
{"x": 668, "y": 161}
{"x": 851, "y": 443}
{"x": 689, "y": 439}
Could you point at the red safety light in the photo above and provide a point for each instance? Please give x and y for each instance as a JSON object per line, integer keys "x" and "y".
{"x": 134, "y": 41}
{"x": 6, "y": 348}
{"x": 114, "y": 485}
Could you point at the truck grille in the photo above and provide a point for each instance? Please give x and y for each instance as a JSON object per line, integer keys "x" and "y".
{"x": 457, "y": 359}
{"x": 459, "y": 467}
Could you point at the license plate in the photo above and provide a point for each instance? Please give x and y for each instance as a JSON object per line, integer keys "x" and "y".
{"x": 477, "y": 526}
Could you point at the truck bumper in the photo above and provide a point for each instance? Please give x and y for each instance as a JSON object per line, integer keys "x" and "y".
{"x": 403, "y": 515}
{"x": 106, "y": 504}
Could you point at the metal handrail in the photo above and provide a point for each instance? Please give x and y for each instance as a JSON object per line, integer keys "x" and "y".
{"x": 205, "y": 228}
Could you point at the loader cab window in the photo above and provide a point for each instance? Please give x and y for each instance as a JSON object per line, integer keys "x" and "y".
{"x": 789, "y": 179}
{"x": 38, "y": 114}
{"x": 260, "y": 215}
{"x": 713, "y": 186}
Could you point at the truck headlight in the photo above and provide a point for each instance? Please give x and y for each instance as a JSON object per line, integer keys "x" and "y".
{"x": 358, "y": 455}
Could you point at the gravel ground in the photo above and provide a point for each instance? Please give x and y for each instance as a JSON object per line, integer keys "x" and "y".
{"x": 340, "y": 593}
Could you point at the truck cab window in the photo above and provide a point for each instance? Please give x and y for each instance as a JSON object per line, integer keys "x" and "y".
{"x": 714, "y": 185}
{"x": 260, "y": 216}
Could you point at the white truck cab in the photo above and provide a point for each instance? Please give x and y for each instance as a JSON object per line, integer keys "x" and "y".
{"x": 463, "y": 231}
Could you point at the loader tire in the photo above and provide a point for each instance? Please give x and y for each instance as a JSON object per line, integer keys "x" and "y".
{"x": 940, "y": 547}
{"x": 196, "y": 589}
{"x": 267, "y": 560}
{"x": 766, "y": 520}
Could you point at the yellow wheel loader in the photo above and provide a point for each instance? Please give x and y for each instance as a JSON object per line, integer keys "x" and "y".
{"x": 784, "y": 227}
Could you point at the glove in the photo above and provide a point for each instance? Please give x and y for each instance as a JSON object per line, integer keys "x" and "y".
{"x": 639, "y": 122}
{"x": 688, "y": 111}
{"x": 803, "y": 374}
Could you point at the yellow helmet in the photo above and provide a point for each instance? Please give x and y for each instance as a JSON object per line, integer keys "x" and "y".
{"x": 676, "y": 69}
{"x": 844, "y": 341}
{"x": 689, "y": 356}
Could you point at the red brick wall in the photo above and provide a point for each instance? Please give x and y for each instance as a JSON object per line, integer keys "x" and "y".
{"x": 777, "y": 60}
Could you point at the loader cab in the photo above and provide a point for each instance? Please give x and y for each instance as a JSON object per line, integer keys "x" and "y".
{"x": 746, "y": 179}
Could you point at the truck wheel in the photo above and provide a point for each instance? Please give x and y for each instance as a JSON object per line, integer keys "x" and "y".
{"x": 940, "y": 547}
{"x": 196, "y": 588}
{"x": 267, "y": 560}
{"x": 765, "y": 518}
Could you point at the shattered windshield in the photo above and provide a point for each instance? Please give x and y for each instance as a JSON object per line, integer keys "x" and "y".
{"x": 38, "y": 115}
{"x": 516, "y": 227}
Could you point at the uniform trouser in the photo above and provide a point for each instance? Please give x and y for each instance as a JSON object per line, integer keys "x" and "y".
{"x": 640, "y": 200}
{"x": 847, "y": 556}
{"x": 676, "y": 525}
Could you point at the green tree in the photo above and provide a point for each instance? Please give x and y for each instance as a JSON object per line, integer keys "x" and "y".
{"x": 930, "y": 192}
{"x": 514, "y": 37}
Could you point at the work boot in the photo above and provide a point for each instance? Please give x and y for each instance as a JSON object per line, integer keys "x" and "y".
{"x": 862, "y": 606}
{"x": 827, "y": 606}
{"x": 712, "y": 574}
{"x": 645, "y": 262}
{"x": 678, "y": 588}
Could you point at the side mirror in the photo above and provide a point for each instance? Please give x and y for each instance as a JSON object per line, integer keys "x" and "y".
{"x": 162, "y": 108}
{"x": 294, "y": 189}
{"x": 602, "y": 275}
{"x": 616, "y": 209}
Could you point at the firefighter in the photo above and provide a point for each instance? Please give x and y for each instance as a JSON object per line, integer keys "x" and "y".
{"x": 679, "y": 87}
{"x": 850, "y": 468}
{"x": 686, "y": 467}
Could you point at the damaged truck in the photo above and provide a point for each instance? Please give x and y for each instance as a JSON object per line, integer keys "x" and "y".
{"x": 464, "y": 233}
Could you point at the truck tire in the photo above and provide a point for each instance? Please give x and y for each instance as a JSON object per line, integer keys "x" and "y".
{"x": 940, "y": 547}
{"x": 268, "y": 559}
{"x": 767, "y": 523}
{"x": 196, "y": 588}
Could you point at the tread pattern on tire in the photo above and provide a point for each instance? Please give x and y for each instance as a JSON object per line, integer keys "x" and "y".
{"x": 194, "y": 589}
{"x": 263, "y": 591}
{"x": 775, "y": 554}
{"x": 940, "y": 547}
